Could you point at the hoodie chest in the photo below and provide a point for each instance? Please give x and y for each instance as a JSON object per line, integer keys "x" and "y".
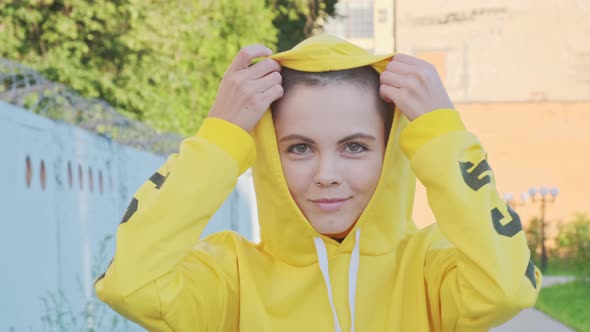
{"x": 280, "y": 297}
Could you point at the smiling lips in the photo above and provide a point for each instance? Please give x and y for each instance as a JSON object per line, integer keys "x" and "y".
{"x": 330, "y": 204}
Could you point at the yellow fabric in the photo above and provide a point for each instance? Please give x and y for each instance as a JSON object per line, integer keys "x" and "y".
{"x": 468, "y": 272}
{"x": 445, "y": 120}
{"x": 239, "y": 145}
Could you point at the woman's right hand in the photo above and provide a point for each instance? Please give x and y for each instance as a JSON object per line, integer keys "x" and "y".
{"x": 246, "y": 92}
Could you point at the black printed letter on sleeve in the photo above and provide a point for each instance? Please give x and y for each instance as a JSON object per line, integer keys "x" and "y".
{"x": 509, "y": 229}
{"x": 157, "y": 179}
{"x": 473, "y": 179}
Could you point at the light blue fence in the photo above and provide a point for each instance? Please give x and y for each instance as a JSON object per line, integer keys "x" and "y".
{"x": 63, "y": 193}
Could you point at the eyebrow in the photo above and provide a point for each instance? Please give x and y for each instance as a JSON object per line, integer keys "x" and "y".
{"x": 309, "y": 140}
{"x": 296, "y": 137}
{"x": 357, "y": 135}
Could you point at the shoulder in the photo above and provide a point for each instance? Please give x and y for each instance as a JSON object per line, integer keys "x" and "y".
{"x": 221, "y": 252}
{"x": 432, "y": 239}
{"x": 225, "y": 244}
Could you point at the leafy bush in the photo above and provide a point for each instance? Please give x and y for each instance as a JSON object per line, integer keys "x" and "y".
{"x": 573, "y": 242}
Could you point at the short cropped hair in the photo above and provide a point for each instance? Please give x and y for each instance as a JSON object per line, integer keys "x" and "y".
{"x": 364, "y": 77}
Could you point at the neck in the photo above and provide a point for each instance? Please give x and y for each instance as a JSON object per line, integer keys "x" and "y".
{"x": 339, "y": 237}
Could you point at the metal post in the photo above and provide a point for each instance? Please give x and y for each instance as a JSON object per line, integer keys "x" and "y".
{"x": 544, "y": 198}
{"x": 543, "y": 250}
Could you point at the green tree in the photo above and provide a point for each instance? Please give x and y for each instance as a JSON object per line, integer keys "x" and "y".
{"x": 156, "y": 61}
{"x": 299, "y": 19}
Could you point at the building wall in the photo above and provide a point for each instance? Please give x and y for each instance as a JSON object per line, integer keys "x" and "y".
{"x": 532, "y": 145}
{"x": 521, "y": 82}
{"x": 384, "y": 26}
{"x": 508, "y": 51}
{"x": 486, "y": 51}
{"x": 63, "y": 194}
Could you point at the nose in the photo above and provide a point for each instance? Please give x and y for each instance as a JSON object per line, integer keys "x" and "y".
{"x": 327, "y": 172}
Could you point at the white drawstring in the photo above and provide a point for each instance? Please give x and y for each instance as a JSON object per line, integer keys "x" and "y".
{"x": 352, "y": 276}
{"x": 323, "y": 260}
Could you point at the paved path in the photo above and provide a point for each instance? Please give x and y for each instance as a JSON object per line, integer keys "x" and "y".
{"x": 534, "y": 320}
{"x": 549, "y": 281}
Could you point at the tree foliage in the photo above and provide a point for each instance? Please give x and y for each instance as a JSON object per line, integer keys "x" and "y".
{"x": 154, "y": 60}
{"x": 573, "y": 242}
{"x": 299, "y": 19}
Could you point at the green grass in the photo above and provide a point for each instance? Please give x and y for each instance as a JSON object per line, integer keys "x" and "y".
{"x": 568, "y": 303}
{"x": 561, "y": 267}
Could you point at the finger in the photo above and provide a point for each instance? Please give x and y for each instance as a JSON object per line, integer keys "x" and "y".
{"x": 266, "y": 82}
{"x": 246, "y": 55}
{"x": 405, "y": 58}
{"x": 400, "y": 67}
{"x": 262, "y": 69}
{"x": 275, "y": 92}
{"x": 394, "y": 79}
{"x": 388, "y": 93}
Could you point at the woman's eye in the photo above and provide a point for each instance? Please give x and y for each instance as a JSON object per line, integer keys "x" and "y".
{"x": 299, "y": 148}
{"x": 355, "y": 148}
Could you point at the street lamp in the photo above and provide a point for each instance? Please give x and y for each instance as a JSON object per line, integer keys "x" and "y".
{"x": 542, "y": 195}
{"x": 513, "y": 203}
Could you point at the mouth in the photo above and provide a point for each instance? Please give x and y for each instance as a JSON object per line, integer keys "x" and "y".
{"x": 330, "y": 204}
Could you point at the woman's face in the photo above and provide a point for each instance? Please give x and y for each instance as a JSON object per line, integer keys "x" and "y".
{"x": 331, "y": 143}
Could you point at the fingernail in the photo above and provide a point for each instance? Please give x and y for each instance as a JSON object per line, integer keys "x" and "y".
{"x": 269, "y": 50}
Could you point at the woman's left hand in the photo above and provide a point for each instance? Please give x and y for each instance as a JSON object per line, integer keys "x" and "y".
{"x": 414, "y": 86}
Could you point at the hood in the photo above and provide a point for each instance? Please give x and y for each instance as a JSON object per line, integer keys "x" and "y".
{"x": 284, "y": 231}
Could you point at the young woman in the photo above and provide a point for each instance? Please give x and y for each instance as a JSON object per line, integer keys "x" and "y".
{"x": 334, "y": 170}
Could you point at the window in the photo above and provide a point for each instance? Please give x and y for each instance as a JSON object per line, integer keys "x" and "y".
{"x": 354, "y": 19}
{"x": 360, "y": 16}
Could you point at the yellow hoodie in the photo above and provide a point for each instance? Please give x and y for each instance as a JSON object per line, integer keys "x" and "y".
{"x": 468, "y": 272}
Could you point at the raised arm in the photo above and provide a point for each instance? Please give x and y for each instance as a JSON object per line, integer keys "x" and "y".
{"x": 160, "y": 268}
{"x": 478, "y": 273}
{"x": 162, "y": 276}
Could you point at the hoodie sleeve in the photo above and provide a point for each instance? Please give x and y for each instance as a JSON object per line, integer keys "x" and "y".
{"x": 478, "y": 272}
{"x": 162, "y": 276}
